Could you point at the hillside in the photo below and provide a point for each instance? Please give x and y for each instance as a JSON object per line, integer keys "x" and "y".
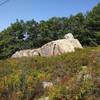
{"x": 71, "y": 76}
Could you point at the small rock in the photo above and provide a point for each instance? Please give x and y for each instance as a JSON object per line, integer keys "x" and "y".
{"x": 87, "y": 76}
{"x": 47, "y": 84}
{"x": 45, "y": 98}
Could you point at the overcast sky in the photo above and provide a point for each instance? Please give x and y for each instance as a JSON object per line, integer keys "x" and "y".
{"x": 41, "y": 9}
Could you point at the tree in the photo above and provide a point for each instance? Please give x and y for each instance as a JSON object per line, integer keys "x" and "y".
{"x": 93, "y": 25}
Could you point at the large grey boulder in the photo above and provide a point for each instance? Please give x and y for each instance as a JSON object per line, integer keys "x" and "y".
{"x": 57, "y": 47}
{"x": 69, "y": 44}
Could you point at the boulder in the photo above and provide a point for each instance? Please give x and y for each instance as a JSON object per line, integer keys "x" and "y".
{"x": 57, "y": 47}
{"x": 26, "y": 53}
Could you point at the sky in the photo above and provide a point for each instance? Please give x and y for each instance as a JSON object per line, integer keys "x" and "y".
{"x": 41, "y": 9}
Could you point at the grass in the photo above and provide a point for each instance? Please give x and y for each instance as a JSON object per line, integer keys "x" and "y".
{"x": 21, "y": 79}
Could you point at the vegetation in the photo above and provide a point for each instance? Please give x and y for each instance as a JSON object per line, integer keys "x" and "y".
{"x": 31, "y": 34}
{"x": 75, "y": 76}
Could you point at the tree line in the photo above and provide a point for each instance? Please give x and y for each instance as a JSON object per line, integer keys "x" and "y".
{"x": 31, "y": 34}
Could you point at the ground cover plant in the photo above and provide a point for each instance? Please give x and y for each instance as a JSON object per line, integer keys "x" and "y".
{"x": 75, "y": 76}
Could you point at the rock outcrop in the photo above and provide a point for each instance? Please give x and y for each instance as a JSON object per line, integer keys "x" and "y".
{"x": 26, "y": 53}
{"x": 53, "y": 48}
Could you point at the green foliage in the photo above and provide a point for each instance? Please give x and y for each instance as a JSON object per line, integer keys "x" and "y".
{"x": 86, "y": 28}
